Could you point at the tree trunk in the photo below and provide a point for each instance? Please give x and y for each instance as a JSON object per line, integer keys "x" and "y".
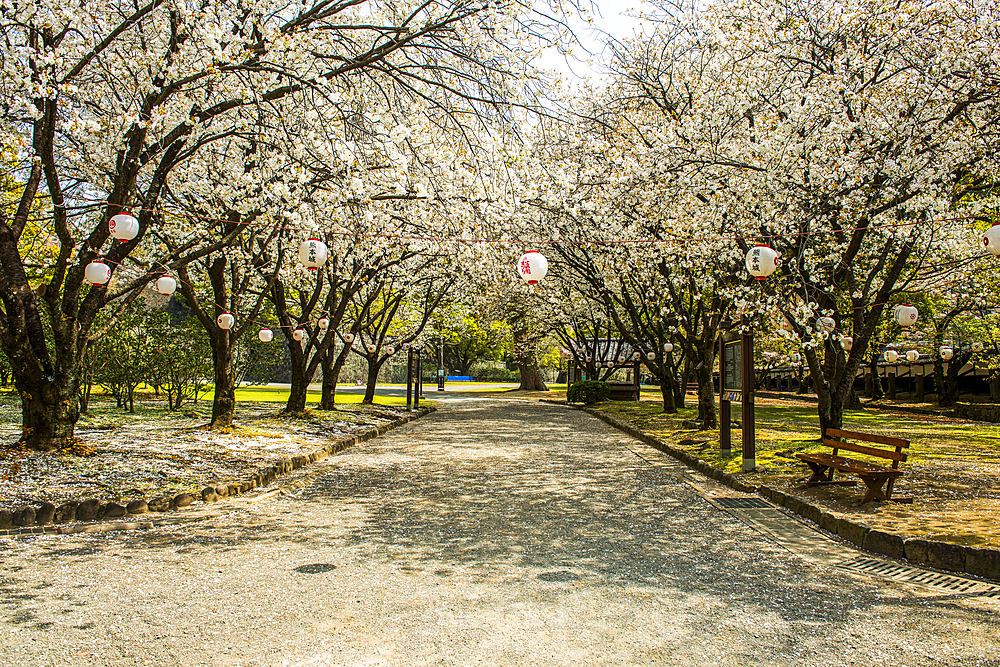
{"x": 49, "y": 410}
{"x": 667, "y": 392}
{"x": 332, "y": 363}
{"x": 373, "y": 371}
{"x": 300, "y": 383}
{"x": 224, "y": 400}
{"x": 706, "y": 390}
{"x": 531, "y": 379}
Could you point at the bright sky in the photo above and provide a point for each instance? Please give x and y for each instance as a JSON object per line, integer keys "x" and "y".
{"x": 610, "y": 16}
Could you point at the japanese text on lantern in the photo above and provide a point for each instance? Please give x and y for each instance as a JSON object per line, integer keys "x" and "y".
{"x": 755, "y": 258}
{"x": 525, "y": 267}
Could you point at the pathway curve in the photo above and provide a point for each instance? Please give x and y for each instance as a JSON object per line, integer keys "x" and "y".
{"x": 491, "y": 533}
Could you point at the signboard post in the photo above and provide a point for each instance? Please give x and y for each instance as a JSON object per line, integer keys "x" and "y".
{"x": 736, "y": 384}
{"x": 730, "y": 386}
{"x": 749, "y": 425}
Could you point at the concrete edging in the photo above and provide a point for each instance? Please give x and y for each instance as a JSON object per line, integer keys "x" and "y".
{"x": 976, "y": 561}
{"x": 39, "y": 519}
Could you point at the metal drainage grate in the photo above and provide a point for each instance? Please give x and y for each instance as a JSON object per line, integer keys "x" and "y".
{"x": 913, "y": 575}
{"x": 742, "y": 503}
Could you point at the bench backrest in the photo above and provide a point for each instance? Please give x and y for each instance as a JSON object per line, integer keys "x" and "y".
{"x": 830, "y": 439}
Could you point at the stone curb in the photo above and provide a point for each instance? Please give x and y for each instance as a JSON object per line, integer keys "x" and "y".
{"x": 978, "y": 562}
{"x": 31, "y": 520}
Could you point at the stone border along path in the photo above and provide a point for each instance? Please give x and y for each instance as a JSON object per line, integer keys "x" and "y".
{"x": 500, "y": 533}
{"x": 978, "y": 562}
{"x": 98, "y": 511}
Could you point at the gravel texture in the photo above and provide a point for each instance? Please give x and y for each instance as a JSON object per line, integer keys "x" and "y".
{"x": 490, "y": 533}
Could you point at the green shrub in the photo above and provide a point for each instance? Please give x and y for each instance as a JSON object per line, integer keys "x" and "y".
{"x": 588, "y": 391}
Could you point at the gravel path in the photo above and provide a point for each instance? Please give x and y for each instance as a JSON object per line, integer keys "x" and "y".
{"x": 490, "y": 533}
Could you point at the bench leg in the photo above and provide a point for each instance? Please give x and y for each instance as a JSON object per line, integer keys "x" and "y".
{"x": 820, "y": 473}
{"x": 874, "y": 483}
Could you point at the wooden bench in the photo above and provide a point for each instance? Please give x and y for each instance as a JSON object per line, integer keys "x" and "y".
{"x": 875, "y": 476}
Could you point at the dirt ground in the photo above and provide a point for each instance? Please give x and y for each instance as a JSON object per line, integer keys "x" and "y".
{"x": 952, "y": 473}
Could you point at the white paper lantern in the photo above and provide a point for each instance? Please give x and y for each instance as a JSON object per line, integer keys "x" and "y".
{"x": 621, "y": 358}
{"x": 265, "y": 335}
{"x": 589, "y": 359}
{"x": 166, "y": 285}
{"x": 635, "y": 356}
{"x": 611, "y": 364}
{"x": 905, "y": 315}
{"x": 651, "y": 355}
{"x": 299, "y": 334}
{"x": 912, "y": 355}
{"x": 390, "y": 350}
{"x": 761, "y": 261}
{"x": 313, "y": 253}
{"x": 97, "y": 273}
{"x": 847, "y": 343}
{"x": 978, "y": 347}
{"x": 348, "y": 338}
{"x": 668, "y": 347}
{"x": 533, "y": 266}
{"x": 786, "y": 325}
{"x": 323, "y": 323}
{"x": 796, "y": 357}
{"x": 946, "y": 353}
{"x": 123, "y": 227}
{"x": 225, "y": 321}
{"x": 991, "y": 239}
{"x": 406, "y": 346}
{"x": 371, "y": 348}
{"x": 891, "y": 356}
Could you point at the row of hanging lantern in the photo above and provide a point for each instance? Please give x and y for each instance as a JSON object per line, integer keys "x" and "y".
{"x": 636, "y": 356}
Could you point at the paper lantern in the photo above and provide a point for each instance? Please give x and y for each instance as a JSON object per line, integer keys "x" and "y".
{"x": 611, "y": 364}
{"x": 225, "y": 321}
{"x": 371, "y": 348}
{"x": 905, "y": 315}
{"x": 946, "y": 353}
{"x": 761, "y": 261}
{"x": 847, "y": 343}
{"x": 589, "y": 359}
{"x": 635, "y": 356}
{"x": 123, "y": 227}
{"x": 786, "y": 325}
{"x": 533, "y": 266}
{"x": 390, "y": 350}
{"x": 323, "y": 323}
{"x": 668, "y": 347}
{"x": 299, "y": 334}
{"x": 621, "y": 358}
{"x": 912, "y": 356}
{"x": 265, "y": 335}
{"x": 166, "y": 285}
{"x": 406, "y": 346}
{"x": 978, "y": 347}
{"x": 991, "y": 239}
{"x": 796, "y": 357}
{"x": 313, "y": 253}
{"x": 826, "y": 324}
{"x": 348, "y": 338}
{"x": 891, "y": 356}
{"x": 651, "y": 355}
{"x": 97, "y": 273}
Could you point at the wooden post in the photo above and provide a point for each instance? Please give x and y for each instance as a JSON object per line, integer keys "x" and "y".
{"x": 749, "y": 427}
{"x": 409, "y": 380}
{"x": 420, "y": 383}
